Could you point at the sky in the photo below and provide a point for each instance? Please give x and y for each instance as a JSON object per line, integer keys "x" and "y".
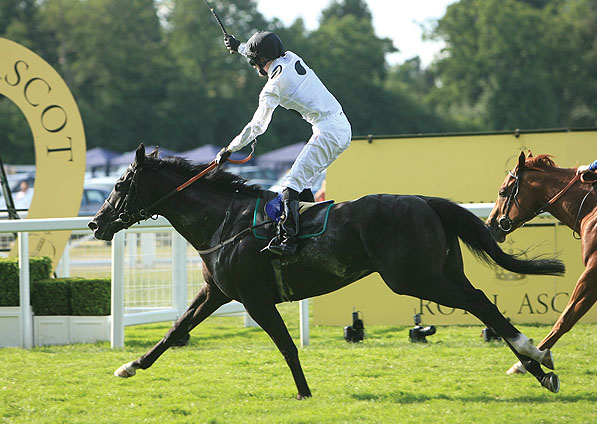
{"x": 399, "y": 20}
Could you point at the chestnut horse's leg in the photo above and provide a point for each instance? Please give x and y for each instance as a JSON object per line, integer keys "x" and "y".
{"x": 268, "y": 318}
{"x": 582, "y": 299}
{"x": 205, "y": 303}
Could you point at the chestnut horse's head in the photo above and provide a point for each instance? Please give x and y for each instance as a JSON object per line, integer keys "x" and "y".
{"x": 517, "y": 201}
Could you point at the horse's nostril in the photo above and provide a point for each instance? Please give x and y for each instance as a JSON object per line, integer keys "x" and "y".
{"x": 93, "y": 225}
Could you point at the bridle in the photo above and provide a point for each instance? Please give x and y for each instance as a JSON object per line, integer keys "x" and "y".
{"x": 506, "y": 224}
{"x": 128, "y": 218}
{"x": 122, "y": 211}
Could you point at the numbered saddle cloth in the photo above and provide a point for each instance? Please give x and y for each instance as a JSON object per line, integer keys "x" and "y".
{"x": 312, "y": 222}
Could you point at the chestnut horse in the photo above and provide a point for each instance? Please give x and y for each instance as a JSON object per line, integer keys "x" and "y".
{"x": 537, "y": 185}
{"x": 412, "y": 241}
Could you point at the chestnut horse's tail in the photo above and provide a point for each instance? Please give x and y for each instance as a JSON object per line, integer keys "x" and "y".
{"x": 472, "y": 231}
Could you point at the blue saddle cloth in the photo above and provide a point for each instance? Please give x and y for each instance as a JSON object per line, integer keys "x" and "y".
{"x": 313, "y": 217}
{"x": 274, "y": 208}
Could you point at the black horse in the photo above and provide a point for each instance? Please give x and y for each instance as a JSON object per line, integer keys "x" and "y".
{"x": 412, "y": 241}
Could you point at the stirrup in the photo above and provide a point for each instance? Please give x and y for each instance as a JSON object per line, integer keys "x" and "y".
{"x": 280, "y": 248}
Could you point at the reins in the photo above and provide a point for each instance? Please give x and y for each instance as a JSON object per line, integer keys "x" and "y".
{"x": 129, "y": 219}
{"x": 233, "y": 238}
{"x": 145, "y": 214}
{"x": 506, "y": 224}
{"x": 557, "y": 196}
{"x": 223, "y": 226}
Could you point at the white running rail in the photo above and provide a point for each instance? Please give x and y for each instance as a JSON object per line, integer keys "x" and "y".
{"x": 119, "y": 318}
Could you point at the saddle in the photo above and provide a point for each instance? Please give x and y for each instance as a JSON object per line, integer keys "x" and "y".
{"x": 312, "y": 222}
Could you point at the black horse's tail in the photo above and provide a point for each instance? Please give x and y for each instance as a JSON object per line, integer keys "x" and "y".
{"x": 473, "y": 232}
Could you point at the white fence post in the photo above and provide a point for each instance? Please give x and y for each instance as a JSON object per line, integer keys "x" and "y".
{"x": 117, "y": 305}
{"x": 24, "y": 294}
{"x": 304, "y": 318}
{"x": 179, "y": 272}
{"x": 249, "y": 322}
{"x": 63, "y": 267}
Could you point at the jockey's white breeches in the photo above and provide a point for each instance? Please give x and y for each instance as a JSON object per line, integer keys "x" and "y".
{"x": 331, "y": 136}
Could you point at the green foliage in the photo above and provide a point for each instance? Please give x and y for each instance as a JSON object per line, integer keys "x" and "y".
{"x": 54, "y": 296}
{"x": 233, "y": 374}
{"x": 71, "y": 296}
{"x": 39, "y": 269}
{"x": 157, "y": 71}
{"x": 51, "y": 297}
{"x": 90, "y": 296}
{"x": 512, "y": 64}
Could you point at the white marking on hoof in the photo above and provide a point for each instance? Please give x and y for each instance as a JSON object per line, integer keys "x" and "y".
{"x": 517, "y": 368}
{"x": 522, "y": 344}
{"x": 126, "y": 370}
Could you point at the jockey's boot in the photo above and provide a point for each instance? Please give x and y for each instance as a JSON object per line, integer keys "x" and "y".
{"x": 307, "y": 196}
{"x": 285, "y": 243}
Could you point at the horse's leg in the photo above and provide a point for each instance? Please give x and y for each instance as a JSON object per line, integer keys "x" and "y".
{"x": 205, "y": 303}
{"x": 477, "y": 303}
{"x": 582, "y": 299}
{"x": 268, "y": 318}
{"x": 451, "y": 287}
{"x": 454, "y": 271}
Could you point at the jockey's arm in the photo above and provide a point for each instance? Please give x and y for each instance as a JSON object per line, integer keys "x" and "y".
{"x": 268, "y": 101}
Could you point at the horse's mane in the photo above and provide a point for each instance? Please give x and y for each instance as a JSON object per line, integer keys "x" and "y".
{"x": 540, "y": 162}
{"x": 217, "y": 178}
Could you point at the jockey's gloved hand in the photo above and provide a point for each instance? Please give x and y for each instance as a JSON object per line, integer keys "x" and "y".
{"x": 231, "y": 43}
{"x": 582, "y": 169}
{"x": 222, "y": 156}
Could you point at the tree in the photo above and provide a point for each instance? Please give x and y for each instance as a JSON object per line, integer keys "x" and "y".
{"x": 575, "y": 61}
{"x": 341, "y": 8}
{"x": 120, "y": 68}
{"x": 18, "y": 22}
{"x": 507, "y": 62}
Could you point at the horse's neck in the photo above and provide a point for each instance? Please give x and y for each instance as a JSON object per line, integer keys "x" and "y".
{"x": 566, "y": 208}
{"x": 198, "y": 217}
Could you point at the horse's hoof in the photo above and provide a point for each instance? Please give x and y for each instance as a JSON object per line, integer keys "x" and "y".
{"x": 302, "y": 397}
{"x": 551, "y": 382}
{"x": 517, "y": 368}
{"x": 547, "y": 360}
{"x": 126, "y": 370}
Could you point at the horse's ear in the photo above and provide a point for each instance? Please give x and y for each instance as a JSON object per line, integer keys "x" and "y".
{"x": 530, "y": 154}
{"x": 521, "y": 159}
{"x": 154, "y": 153}
{"x": 139, "y": 155}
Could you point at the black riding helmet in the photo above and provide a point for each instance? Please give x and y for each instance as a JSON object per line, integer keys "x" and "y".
{"x": 262, "y": 47}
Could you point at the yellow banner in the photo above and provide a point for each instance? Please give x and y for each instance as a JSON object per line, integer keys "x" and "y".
{"x": 465, "y": 169}
{"x": 58, "y": 135}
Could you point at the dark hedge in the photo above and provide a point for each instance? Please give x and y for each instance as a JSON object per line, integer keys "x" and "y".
{"x": 54, "y": 296}
{"x": 39, "y": 269}
{"x": 71, "y": 296}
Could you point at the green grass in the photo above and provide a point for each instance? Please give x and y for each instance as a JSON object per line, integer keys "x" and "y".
{"x": 232, "y": 374}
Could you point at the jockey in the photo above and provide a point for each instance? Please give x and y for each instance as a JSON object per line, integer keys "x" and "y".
{"x": 586, "y": 168}
{"x": 293, "y": 85}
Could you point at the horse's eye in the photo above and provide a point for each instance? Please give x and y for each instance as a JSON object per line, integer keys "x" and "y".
{"x": 502, "y": 192}
{"x": 118, "y": 186}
